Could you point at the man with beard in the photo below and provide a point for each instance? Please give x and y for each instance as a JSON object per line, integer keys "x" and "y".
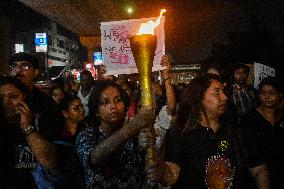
{"x": 25, "y": 67}
{"x": 242, "y": 95}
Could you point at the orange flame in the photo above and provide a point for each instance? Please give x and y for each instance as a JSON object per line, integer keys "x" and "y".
{"x": 149, "y": 27}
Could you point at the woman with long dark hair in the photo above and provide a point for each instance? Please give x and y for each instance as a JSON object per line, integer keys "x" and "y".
{"x": 200, "y": 141}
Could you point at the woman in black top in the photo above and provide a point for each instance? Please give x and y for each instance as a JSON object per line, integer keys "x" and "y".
{"x": 22, "y": 145}
{"x": 200, "y": 141}
{"x": 263, "y": 136}
{"x": 17, "y": 160}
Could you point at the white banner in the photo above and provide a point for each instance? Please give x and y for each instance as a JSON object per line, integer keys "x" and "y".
{"x": 116, "y": 51}
{"x": 260, "y": 72}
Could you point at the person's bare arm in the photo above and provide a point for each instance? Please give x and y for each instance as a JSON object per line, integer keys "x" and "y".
{"x": 44, "y": 151}
{"x": 261, "y": 175}
{"x": 170, "y": 94}
{"x": 105, "y": 149}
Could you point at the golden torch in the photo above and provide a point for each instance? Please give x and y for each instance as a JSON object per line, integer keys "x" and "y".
{"x": 143, "y": 46}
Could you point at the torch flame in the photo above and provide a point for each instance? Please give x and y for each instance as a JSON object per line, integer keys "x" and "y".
{"x": 149, "y": 27}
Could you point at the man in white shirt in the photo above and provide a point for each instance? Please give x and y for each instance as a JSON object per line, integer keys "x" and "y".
{"x": 86, "y": 87}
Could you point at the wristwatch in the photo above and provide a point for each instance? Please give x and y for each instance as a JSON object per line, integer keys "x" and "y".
{"x": 29, "y": 130}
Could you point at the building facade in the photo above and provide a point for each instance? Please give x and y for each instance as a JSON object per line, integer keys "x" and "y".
{"x": 61, "y": 49}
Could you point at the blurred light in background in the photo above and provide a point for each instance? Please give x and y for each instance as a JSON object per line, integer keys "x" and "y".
{"x": 19, "y": 48}
{"x": 129, "y": 10}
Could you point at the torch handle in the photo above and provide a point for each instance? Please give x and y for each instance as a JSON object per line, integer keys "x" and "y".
{"x": 143, "y": 48}
{"x": 151, "y": 156}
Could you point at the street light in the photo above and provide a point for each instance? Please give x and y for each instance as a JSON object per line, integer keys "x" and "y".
{"x": 129, "y": 10}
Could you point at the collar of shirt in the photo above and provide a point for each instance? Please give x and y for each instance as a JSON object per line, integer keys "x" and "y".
{"x": 81, "y": 96}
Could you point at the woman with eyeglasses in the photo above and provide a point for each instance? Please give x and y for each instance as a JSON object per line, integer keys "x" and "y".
{"x": 263, "y": 136}
{"x": 65, "y": 170}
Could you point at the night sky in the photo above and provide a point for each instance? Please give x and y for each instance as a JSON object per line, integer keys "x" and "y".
{"x": 199, "y": 31}
{"x": 226, "y": 32}
{"x": 192, "y": 27}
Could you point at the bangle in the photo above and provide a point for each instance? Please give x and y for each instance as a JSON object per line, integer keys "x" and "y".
{"x": 29, "y": 130}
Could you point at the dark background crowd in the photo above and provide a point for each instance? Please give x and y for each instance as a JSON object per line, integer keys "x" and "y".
{"x": 66, "y": 124}
{"x": 217, "y": 131}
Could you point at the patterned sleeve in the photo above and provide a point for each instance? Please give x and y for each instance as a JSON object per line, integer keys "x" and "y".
{"x": 86, "y": 141}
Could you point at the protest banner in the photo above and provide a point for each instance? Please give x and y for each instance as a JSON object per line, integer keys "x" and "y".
{"x": 260, "y": 72}
{"x": 116, "y": 51}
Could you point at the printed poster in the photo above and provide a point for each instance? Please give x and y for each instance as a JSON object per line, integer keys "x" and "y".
{"x": 116, "y": 51}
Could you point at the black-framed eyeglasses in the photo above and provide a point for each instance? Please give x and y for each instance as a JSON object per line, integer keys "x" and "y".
{"x": 22, "y": 66}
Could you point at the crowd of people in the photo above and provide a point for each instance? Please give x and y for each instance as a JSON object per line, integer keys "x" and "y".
{"x": 216, "y": 132}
